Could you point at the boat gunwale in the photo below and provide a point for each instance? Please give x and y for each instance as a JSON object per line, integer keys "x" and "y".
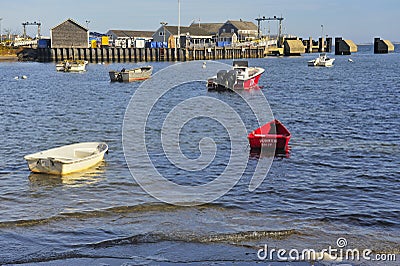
{"x": 287, "y": 134}
{"x": 258, "y": 73}
{"x": 31, "y": 157}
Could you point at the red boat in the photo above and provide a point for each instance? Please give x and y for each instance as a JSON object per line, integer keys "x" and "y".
{"x": 240, "y": 77}
{"x": 271, "y": 135}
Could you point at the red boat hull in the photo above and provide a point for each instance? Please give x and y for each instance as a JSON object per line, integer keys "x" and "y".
{"x": 273, "y": 135}
{"x": 251, "y": 83}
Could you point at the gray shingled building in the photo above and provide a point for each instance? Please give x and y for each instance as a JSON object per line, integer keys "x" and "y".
{"x": 69, "y": 34}
{"x": 244, "y": 30}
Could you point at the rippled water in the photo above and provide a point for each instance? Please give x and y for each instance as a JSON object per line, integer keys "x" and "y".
{"x": 340, "y": 180}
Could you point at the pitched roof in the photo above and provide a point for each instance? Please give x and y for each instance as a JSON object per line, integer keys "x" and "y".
{"x": 132, "y": 33}
{"x": 210, "y": 28}
{"x": 184, "y": 30}
{"x": 174, "y": 29}
{"x": 72, "y": 21}
{"x": 243, "y": 25}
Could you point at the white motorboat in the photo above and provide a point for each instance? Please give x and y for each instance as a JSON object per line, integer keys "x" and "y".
{"x": 67, "y": 159}
{"x": 72, "y": 66}
{"x": 240, "y": 77}
{"x": 323, "y": 60}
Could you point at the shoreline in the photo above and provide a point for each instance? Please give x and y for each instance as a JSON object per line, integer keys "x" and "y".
{"x": 8, "y": 58}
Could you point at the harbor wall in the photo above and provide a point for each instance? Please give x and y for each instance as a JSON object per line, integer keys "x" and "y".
{"x": 119, "y": 55}
{"x": 383, "y": 46}
{"x": 344, "y": 47}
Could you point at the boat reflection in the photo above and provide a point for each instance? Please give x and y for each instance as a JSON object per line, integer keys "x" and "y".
{"x": 79, "y": 179}
{"x": 269, "y": 153}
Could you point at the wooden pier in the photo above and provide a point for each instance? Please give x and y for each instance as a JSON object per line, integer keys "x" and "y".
{"x": 119, "y": 55}
{"x": 295, "y": 46}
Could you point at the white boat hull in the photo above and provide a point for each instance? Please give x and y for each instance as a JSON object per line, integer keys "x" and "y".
{"x": 67, "y": 159}
{"x": 73, "y": 66}
{"x": 322, "y": 61}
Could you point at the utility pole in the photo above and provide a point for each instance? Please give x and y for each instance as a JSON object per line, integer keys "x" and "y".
{"x": 178, "y": 43}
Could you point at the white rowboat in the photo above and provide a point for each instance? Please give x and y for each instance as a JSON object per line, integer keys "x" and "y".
{"x": 67, "y": 159}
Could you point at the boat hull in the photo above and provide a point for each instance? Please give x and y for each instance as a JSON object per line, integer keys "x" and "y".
{"x": 272, "y": 141}
{"x": 328, "y": 63}
{"x": 273, "y": 135}
{"x": 67, "y": 159}
{"x": 72, "y": 66}
{"x": 239, "y": 83}
{"x": 248, "y": 83}
{"x": 322, "y": 61}
{"x": 137, "y": 74}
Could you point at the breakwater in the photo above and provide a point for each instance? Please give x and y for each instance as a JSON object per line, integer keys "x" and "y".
{"x": 96, "y": 55}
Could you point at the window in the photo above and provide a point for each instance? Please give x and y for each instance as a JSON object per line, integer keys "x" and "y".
{"x": 161, "y": 33}
{"x": 223, "y": 30}
{"x": 232, "y": 30}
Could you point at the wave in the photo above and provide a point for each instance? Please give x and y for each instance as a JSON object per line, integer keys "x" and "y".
{"x": 191, "y": 237}
{"x": 108, "y": 212}
{"x": 366, "y": 220}
{"x": 86, "y": 251}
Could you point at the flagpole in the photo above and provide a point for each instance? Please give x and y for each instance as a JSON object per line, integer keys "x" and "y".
{"x": 178, "y": 44}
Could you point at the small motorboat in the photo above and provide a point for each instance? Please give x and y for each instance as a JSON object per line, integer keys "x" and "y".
{"x": 272, "y": 135}
{"x": 323, "y": 61}
{"x": 72, "y": 66}
{"x": 136, "y": 74}
{"x": 240, "y": 77}
{"x": 67, "y": 159}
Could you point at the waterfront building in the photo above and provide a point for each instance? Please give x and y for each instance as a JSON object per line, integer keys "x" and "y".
{"x": 69, "y": 34}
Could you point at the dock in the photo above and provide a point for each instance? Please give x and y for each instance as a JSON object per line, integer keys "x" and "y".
{"x": 119, "y": 55}
{"x": 297, "y": 46}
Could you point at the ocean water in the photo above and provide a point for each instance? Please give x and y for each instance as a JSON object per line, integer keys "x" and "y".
{"x": 340, "y": 180}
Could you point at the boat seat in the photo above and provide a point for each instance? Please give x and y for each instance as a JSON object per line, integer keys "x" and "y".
{"x": 273, "y": 130}
{"x": 84, "y": 152}
{"x": 65, "y": 159}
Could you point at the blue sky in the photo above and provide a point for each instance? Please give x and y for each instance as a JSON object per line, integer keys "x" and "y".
{"x": 357, "y": 20}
